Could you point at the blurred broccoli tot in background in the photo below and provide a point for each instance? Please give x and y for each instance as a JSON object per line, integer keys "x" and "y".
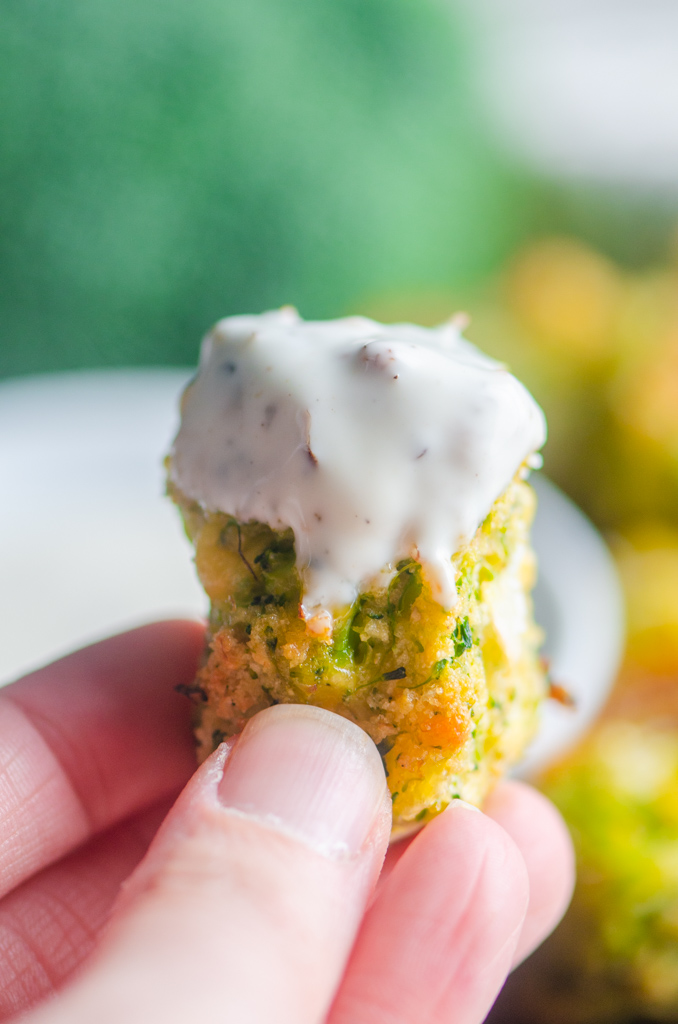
{"x": 599, "y": 347}
{"x": 166, "y": 164}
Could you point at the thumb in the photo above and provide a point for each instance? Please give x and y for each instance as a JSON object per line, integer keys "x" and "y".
{"x": 248, "y": 901}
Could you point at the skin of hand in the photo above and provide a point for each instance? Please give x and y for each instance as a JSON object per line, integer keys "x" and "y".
{"x": 259, "y": 888}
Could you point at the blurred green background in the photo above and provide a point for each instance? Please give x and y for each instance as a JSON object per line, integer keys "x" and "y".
{"x": 166, "y": 163}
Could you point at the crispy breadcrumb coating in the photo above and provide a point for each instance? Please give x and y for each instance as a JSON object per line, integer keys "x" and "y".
{"x": 450, "y": 698}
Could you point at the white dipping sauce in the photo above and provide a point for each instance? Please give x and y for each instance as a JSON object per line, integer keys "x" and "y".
{"x": 372, "y": 442}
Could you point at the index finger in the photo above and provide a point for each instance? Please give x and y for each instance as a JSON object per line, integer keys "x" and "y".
{"x": 90, "y": 739}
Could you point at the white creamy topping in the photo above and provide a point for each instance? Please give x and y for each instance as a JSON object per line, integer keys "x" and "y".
{"x": 372, "y": 442}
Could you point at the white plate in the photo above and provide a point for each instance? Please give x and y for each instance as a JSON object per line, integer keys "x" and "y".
{"x": 89, "y": 545}
{"x": 578, "y": 604}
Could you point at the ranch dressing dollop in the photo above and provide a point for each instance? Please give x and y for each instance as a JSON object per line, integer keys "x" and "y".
{"x": 372, "y": 442}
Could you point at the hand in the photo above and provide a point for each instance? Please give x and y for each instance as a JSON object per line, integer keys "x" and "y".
{"x": 256, "y": 900}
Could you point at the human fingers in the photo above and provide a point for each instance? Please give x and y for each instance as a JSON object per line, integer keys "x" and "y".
{"x": 541, "y": 835}
{"x": 91, "y": 739}
{"x": 49, "y": 925}
{"x": 249, "y": 899}
{"x": 439, "y": 939}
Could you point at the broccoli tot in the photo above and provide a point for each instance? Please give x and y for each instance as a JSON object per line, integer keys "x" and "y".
{"x": 450, "y": 705}
{"x": 357, "y": 497}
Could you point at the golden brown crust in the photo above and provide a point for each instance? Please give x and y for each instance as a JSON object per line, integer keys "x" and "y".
{"x": 450, "y": 698}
